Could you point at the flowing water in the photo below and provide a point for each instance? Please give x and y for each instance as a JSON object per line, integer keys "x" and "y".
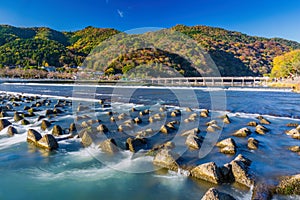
{"x": 74, "y": 172}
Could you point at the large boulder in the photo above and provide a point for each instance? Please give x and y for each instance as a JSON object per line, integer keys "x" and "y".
{"x": 17, "y": 117}
{"x": 87, "y": 139}
{"x": 4, "y": 123}
{"x": 102, "y": 128}
{"x": 253, "y": 143}
{"x": 193, "y": 141}
{"x": 72, "y": 127}
{"x": 214, "y": 194}
{"x": 289, "y": 185}
{"x": 48, "y": 142}
{"x": 193, "y": 131}
{"x": 45, "y": 124}
{"x": 243, "y": 132}
{"x": 261, "y": 191}
{"x": 165, "y": 158}
{"x": 135, "y": 144}
{"x": 252, "y": 123}
{"x": 109, "y": 146}
{"x": 227, "y": 146}
{"x": 240, "y": 167}
{"x": 57, "y": 130}
{"x": 3, "y": 114}
{"x": 33, "y": 136}
{"x": 209, "y": 172}
{"x": 264, "y": 121}
{"x": 261, "y": 129}
{"x": 25, "y": 122}
{"x": 11, "y": 131}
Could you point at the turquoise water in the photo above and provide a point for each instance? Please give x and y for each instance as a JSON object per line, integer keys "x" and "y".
{"x": 74, "y": 172}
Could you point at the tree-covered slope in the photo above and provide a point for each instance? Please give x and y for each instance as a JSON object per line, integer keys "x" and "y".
{"x": 235, "y": 53}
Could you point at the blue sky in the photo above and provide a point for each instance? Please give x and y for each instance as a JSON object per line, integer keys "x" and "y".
{"x": 269, "y": 18}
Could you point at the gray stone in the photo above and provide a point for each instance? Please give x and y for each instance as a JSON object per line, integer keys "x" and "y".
{"x": 165, "y": 158}
{"x": 48, "y": 142}
{"x": 214, "y": 194}
{"x": 208, "y": 172}
{"x": 4, "y": 123}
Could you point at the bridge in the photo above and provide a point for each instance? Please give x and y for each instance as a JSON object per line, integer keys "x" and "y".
{"x": 211, "y": 81}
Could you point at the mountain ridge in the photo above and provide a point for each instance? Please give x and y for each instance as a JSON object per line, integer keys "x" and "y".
{"x": 234, "y": 53}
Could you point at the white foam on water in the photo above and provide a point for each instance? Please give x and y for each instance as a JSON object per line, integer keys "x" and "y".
{"x": 10, "y": 141}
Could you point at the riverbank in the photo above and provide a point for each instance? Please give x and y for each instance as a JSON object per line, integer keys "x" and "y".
{"x": 293, "y": 84}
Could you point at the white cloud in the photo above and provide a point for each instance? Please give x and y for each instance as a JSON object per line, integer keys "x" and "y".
{"x": 121, "y": 13}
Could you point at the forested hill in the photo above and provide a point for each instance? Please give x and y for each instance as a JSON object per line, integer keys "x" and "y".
{"x": 235, "y": 54}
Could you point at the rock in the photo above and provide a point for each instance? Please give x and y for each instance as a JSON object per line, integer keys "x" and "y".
{"x": 193, "y": 131}
{"x": 213, "y": 128}
{"x": 145, "y": 133}
{"x": 227, "y": 146}
{"x": 3, "y": 114}
{"x": 45, "y": 124}
{"x": 25, "y": 122}
{"x": 48, "y": 142}
{"x": 57, "y": 130}
{"x": 264, "y": 121}
{"x": 4, "y": 123}
{"x": 289, "y": 185}
{"x": 151, "y": 119}
{"x": 57, "y": 111}
{"x": 11, "y": 131}
{"x": 87, "y": 139}
{"x": 102, "y": 128}
{"x": 261, "y": 192}
{"x": 226, "y": 120}
{"x": 112, "y": 119}
{"x": 156, "y": 148}
{"x": 243, "y": 132}
{"x": 72, "y": 127}
{"x": 49, "y": 112}
{"x": 188, "y": 109}
{"x": 207, "y": 172}
{"x": 109, "y": 146}
{"x": 212, "y": 122}
{"x": 229, "y": 142}
{"x": 253, "y": 143}
{"x": 228, "y": 150}
{"x": 17, "y": 117}
{"x": 252, "y": 123}
{"x": 164, "y": 129}
{"x": 165, "y": 158}
{"x": 122, "y": 116}
{"x": 193, "y": 141}
{"x": 101, "y": 101}
{"x": 170, "y": 125}
{"x": 294, "y": 148}
{"x": 137, "y": 120}
{"x": 261, "y": 129}
{"x": 135, "y": 144}
{"x": 240, "y": 166}
{"x": 226, "y": 171}
{"x": 175, "y": 113}
{"x": 214, "y": 194}
{"x": 33, "y": 136}
{"x": 296, "y": 136}
{"x": 40, "y": 117}
{"x": 292, "y": 124}
{"x": 204, "y": 113}
{"x": 144, "y": 112}
{"x": 162, "y": 109}
{"x": 292, "y": 132}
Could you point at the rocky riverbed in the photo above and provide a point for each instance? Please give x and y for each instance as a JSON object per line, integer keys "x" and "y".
{"x": 240, "y": 150}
